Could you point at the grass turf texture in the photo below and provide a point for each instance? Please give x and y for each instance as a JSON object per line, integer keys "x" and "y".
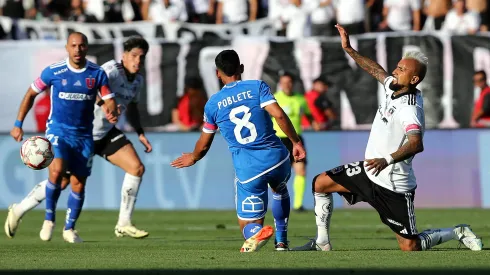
{"x": 183, "y": 242}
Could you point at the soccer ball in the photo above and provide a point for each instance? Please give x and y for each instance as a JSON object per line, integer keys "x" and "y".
{"x": 36, "y": 153}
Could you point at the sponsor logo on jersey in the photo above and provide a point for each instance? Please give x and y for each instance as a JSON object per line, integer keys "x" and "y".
{"x": 75, "y": 96}
{"x": 64, "y": 82}
{"x": 61, "y": 71}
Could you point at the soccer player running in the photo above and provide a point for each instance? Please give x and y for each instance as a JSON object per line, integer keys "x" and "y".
{"x": 74, "y": 83}
{"x": 385, "y": 179}
{"x": 110, "y": 143}
{"x": 295, "y": 106}
{"x": 242, "y": 111}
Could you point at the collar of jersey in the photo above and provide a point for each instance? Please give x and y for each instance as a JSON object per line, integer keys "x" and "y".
{"x": 232, "y": 84}
{"x": 402, "y": 94}
{"x": 76, "y": 70}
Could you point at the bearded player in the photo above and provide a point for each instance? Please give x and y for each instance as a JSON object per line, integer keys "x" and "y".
{"x": 385, "y": 179}
{"x": 109, "y": 142}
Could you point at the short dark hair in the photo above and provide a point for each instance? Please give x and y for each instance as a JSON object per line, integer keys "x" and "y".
{"x": 228, "y": 62}
{"x": 84, "y": 37}
{"x": 137, "y": 42}
{"x": 322, "y": 80}
{"x": 482, "y": 72}
{"x": 286, "y": 74}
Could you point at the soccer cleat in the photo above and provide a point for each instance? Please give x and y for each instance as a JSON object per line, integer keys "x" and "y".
{"x": 71, "y": 236}
{"x": 467, "y": 237}
{"x": 131, "y": 231}
{"x": 313, "y": 246}
{"x": 12, "y": 222}
{"x": 47, "y": 231}
{"x": 280, "y": 246}
{"x": 258, "y": 240}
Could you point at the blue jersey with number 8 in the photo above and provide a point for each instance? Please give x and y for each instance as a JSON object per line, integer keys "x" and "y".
{"x": 238, "y": 111}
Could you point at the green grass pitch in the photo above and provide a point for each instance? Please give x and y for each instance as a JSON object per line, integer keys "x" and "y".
{"x": 191, "y": 242}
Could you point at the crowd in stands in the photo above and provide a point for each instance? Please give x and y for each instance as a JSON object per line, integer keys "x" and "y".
{"x": 292, "y": 18}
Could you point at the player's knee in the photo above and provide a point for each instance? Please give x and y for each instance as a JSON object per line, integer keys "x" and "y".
{"x": 64, "y": 183}
{"x": 137, "y": 170}
{"x": 77, "y": 186}
{"x": 281, "y": 189}
{"x": 313, "y": 183}
{"x": 56, "y": 175}
{"x": 409, "y": 245}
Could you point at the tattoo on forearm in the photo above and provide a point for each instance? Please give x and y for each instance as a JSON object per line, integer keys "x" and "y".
{"x": 368, "y": 65}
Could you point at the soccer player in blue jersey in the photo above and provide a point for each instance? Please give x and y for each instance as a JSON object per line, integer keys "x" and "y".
{"x": 75, "y": 83}
{"x": 242, "y": 111}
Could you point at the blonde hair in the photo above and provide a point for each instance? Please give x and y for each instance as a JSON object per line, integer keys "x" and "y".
{"x": 421, "y": 58}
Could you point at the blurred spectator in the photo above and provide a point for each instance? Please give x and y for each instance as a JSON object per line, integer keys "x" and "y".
{"x": 461, "y": 21}
{"x": 290, "y": 16}
{"x": 58, "y": 9}
{"x": 78, "y": 14}
{"x": 201, "y": 11}
{"x": 351, "y": 15}
{"x": 42, "y": 108}
{"x": 18, "y": 8}
{"x": 164, "y": 10}
{"x": 321, "y": 17}
{"x": 235, "y": 11}
{"x": 481, "y": 110}
{"x": 401, "y": 15}
{"x": 482, "y": 8}
{"x": 188, "y": 114}
{"x": 436, "y": 11}
{"x": 320, "y": 106}
{"x": 374, "y": 15}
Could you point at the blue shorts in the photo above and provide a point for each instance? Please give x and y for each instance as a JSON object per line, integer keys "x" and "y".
{"x": 251, "y": 198}
{"x": 76, "y": 152}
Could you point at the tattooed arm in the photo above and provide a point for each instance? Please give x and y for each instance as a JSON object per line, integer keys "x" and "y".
{"x": 365, "y": 63}
{"x": 409, "y": 149}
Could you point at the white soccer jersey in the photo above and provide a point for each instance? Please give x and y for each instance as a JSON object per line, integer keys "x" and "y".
{"x": 396, "y": 117}
{"x": 125, "y": 91}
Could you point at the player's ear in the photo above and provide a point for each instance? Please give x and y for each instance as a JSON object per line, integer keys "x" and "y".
{"x": 241, "y": 69}
{"x": 218, "y": 74}
{"x": 415, "y": 79}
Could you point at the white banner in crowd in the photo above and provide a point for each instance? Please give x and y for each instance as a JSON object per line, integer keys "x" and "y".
{"x": 170, "y": 31}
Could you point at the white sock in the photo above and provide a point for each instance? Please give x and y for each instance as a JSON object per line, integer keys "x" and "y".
{"x": 323, "y": 213}
{"x": 432, "y": 237}
{"x": 129, "y": 191}
{"x": 33, "y": 199}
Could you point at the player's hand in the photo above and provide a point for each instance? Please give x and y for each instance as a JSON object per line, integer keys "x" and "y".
{"x": 299, "y": 152}
{"x": 17, "y": 133}
{"x": 377, "y": 165}
{"x": 112, "y": 117}
{"x": 146, "y": 143}
{"x": 344, "y": 36}
{"x": 186, "y": 160}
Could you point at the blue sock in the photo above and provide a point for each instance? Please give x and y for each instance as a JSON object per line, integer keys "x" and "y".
{"x": 281, "y": 206}
{"x": 53, "y": 192}
{"x": 75, "y": 203}
{"x": 251, "y": 229}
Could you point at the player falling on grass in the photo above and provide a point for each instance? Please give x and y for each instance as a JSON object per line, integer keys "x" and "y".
{"x": 242, "y": 111}
{"x": 386, "y": 179}
{"x": 110, "y": 142}
{"x": 74, "y": 83}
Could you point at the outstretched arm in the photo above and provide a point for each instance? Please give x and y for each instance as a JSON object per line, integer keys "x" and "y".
{"x": 200, "y": 150}
{"x": 365, "y": 63}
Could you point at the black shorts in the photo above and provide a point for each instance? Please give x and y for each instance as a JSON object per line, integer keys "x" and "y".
{"x": 111, "y": 143}
{"x": 396, "y": 210}
{"x": 289, "y": 146}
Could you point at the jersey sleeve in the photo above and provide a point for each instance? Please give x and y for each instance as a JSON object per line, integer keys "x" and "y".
{"x": 265, "y": 95}
{"x": 103, "y": 85}
{"x": 43, "y": 81}
{"x": 410, "y": 120}
{"x": 210, "y": 125}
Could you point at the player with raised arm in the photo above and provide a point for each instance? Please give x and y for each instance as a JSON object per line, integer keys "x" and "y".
{"x": 110, "y": 143}
{"x": 75, "y": 83}
{"x": 385, "y": 179}
{"x": 242, "y": 111}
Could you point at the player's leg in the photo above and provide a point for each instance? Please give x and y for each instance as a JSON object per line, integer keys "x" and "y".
{"x": 342, "y": 180}
{"x": 299, "y": 183}
{"x": 251, "y": 205}
{"x": 33, "y": 199}
{"x": 281, "y": 205}
{"x": 76, "y": 199}
{"x": 122, "y": 154}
